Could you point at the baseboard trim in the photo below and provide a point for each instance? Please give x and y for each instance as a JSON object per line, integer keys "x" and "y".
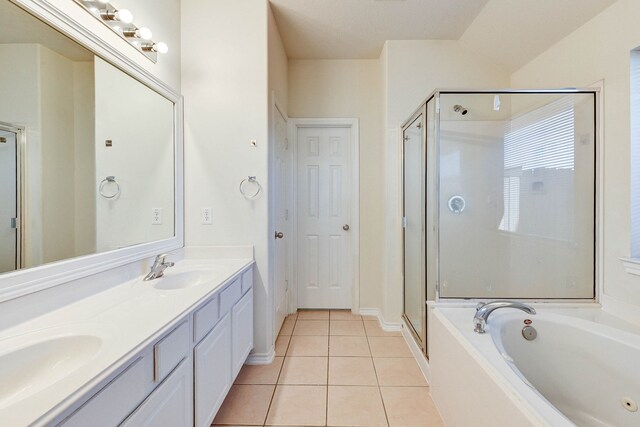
{"x": 261, "y": 358}
{"x": 386, "y": 326}
{"x": 423, "y": 363}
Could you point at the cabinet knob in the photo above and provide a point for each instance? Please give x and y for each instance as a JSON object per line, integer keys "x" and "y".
{"x": 279, "y": 234}
{"x": 345, "y": 227}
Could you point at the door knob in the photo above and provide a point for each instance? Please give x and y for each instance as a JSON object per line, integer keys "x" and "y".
{"x": 279, "y": 234}
{"x": 345, "y": 227}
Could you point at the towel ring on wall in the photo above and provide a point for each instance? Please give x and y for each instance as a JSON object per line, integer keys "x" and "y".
{"x": 106, "y": 182}
{"x": 244, "y": 188}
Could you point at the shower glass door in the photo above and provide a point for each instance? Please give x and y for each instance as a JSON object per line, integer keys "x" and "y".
{"x": 9, "y": 236}
{"x": 414, "y": 226}
{"x": 517, "y": 195}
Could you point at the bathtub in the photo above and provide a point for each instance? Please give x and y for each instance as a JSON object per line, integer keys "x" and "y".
{"x": 583, "y": 368}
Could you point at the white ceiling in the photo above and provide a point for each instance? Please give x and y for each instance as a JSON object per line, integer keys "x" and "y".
{"x": 357, "y": 29}
{"x": 511, "y": 32}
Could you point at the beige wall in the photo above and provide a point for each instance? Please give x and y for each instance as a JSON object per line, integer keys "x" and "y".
{"x": 84, "y": 157}
{"x": 225, "y": 86}
{"x": 352, "y": 88}
{"x": 58, "y": 183}
{"x": 414, "y": 69}
{"x": 600, "y": 49}
{"x": 138, "y": 122}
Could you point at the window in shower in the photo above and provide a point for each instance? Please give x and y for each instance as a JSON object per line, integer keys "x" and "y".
{"x": 538, "y": 167}
{"x": 525, "y": 168}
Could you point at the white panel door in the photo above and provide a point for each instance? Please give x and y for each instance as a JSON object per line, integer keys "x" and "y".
{"x": 9, "y": 201}
{"x": 323, "y": 187}
{"x": 282, "y": 199}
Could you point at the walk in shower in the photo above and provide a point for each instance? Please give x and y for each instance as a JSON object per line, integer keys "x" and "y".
{"x": 499, "y": 198}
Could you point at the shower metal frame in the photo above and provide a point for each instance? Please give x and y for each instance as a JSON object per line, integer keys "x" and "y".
{"x": 419, "y": 336}
{"x": 21, "y": 141}
{"x": 597, "y": 253}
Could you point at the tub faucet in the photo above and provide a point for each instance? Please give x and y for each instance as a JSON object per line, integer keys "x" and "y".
{"x": 484, "y": 310}
{"x": 158, "y": 267}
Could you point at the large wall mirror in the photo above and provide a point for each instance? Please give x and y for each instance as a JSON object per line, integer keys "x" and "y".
{"x": 88, "y": 154}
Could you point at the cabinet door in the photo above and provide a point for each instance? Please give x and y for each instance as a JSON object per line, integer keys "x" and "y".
{"x": 212, "y": 372}
{"x": 170, "y": 404}
{"x": 242, "y": 327}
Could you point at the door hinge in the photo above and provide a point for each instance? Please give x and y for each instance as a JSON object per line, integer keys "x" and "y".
{"x": 14, "y": 223}
{"x": 404, "y": 222}
{"x": 286, "y": 285}
{"x": 419, "y": 125}
{"x": 286, "y": 214}
{"x": 286, "y": 143}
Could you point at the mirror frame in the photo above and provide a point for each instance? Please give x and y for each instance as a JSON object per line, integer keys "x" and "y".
{"x": 22, "y": 282}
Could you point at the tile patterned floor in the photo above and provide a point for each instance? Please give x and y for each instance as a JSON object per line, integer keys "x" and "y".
{"x": 332, "y": 368}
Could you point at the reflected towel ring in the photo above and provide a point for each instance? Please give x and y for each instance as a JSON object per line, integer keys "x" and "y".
{"x": 243, "y": 187}
{"x": 104, "y": 183}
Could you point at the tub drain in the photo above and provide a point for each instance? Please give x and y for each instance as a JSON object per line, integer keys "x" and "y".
{"x": 529, "y": 333}
{"x": 629, "y": 404}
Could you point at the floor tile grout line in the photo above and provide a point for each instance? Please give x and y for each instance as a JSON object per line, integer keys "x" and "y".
{"x": 384, "y": 407}
{"x": 284, "y": 359}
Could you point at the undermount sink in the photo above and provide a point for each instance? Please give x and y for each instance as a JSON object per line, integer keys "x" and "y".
{"x": 185, "y": 279}
{"x": 31, "y": 368}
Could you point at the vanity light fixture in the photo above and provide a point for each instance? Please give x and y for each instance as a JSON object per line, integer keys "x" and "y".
{"x": 122, "y": 15}
{"x": 139, "y": 33}
{"x": 159, "y": 47}
{"x": 121, "y": 22}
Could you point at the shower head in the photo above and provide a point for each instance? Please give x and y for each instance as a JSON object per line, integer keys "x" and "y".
{"x": 460, "y": 109}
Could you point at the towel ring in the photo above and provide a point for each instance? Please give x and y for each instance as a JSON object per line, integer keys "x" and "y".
{"x": 243, "y": 187}
{"x": 104, "y": 183}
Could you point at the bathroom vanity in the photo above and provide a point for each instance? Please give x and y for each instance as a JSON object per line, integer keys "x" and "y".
{"x": 158, "y": 352}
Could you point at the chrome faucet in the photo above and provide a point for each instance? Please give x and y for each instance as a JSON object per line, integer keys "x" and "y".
{"x": 484, "y": 310}
{"x": 158, "y": 267}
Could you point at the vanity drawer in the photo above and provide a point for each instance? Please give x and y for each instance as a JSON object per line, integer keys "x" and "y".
{"x": 117, "y": 399}
{"x": 170, "y": 351}
{"x": 205, "y": 319}
{"x": 247, "y": 280}
{"x": 230, "y": 296}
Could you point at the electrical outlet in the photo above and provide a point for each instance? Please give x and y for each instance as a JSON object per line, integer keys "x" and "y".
{"x": 156, "y": 216}
{"x": 206, "y": 217}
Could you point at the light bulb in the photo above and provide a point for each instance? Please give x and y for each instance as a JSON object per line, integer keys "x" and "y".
{"x": 124, "y": 15}
{"x": 161, "y": 47}
{"x": 144, "y": 33}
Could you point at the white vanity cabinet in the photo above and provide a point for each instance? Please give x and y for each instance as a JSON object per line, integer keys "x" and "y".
{"x": 220, "y": 355}
{"x": 212, "y": 367}
{"x": 169, "y": 404}
{"x": 183, "y": 377}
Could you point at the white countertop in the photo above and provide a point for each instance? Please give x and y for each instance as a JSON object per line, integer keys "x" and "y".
{"x": 123, "y": 319}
